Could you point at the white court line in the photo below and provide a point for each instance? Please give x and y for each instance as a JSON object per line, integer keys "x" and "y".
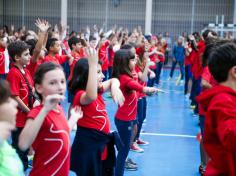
{"x": 169, "y": 135}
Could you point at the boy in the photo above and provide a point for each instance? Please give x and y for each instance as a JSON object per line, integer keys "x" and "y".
{"x": 75, "y": 45}
{"x": 53, "y": 47}
{"x": 219, "y": 103}
{"x": 21, "y": 84}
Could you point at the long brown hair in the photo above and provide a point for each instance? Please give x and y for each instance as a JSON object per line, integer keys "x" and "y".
{"x": 121, "y": 63}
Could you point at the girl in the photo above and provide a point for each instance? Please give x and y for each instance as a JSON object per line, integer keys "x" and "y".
{"x": 46, "y": 128}
{"x": 143, "y": 71}
{"x": 140, "y": 74}
{"x": 10, "y": 163}
{"x": 124, "y": 64}
{"x": 93, "y": 129}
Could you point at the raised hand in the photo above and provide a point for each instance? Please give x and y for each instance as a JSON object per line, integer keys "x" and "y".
{"x": 117, "y": 96}
{"x": 139, "y": 29}
{"x": 12, "y": 28}
{"x": 92, "y": 55}
{"x": 76, "y": 113}
{"x": 152, "y": 90}
{"x": 52, "y": 101}
{"x": 95, "y": 28}
{"x": 88, "y": 30}
{"x": 56, "y": 29}
{"x": 149, "y": 62}
{"x": 43, "y": 25}
{"x": 160, "y": 90}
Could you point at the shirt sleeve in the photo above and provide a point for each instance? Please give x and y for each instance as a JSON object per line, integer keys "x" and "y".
{"x": 77, "y": 97}
{"x": 15, "y": 82}
{"x": 133, "y": 85}
{"x": 33, "y": 113}
{"x": 224, "y": 112}
{"x": 62, "y": 59}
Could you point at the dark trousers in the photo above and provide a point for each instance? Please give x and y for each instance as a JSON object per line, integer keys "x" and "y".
{"x": 3, "y": 76}
{"x": 188, "y": 76}
{"x": 86, "y": 152}
{"x": 151, "y": 81}
{"x": 195, "y": 91}
{"x": 110, "y": 72}
{"x": 142, "y": 108}
{"x": 181, "y": 67}
{"x": 22, "y": 154}
{"x": 158, "y": 71}
{"x": 201, "y": 123}
{"x": 166, "y": 57}
{"x": 125, "y": 129}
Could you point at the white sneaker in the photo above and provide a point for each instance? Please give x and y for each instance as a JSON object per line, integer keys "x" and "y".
{"x": 135, "y": 148}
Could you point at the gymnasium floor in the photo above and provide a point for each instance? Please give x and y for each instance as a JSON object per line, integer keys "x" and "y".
{"x": 171, "y": 130}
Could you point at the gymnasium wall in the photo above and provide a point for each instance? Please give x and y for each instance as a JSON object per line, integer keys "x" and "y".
{"x": 168, "y": 15}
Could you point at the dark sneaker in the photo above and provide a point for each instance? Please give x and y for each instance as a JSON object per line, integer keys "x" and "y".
{"x": 130, "y": 167}
{"x": 141, "y": 142}
{"x": 131, "y": 161}
{"x": 202, "y": 169}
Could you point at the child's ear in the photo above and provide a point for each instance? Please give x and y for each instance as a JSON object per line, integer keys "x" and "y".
{"x": 38, "y": 88}
{"x": 233, "y": 72}
{"x": 17, "y": 58}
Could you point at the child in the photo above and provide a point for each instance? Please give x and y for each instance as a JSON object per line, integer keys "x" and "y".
{"x": 75, "y": 45}
{"x": 103, "y": 55}
{"x": 178, "y": 54}
{"x": 93, "y": 129}
{"x": 219, "y": 104}
{"x": 140, "y": 74}
{"x": 142, "y": 69}
{"x": 207, "y": 82}
{"x": 92, "y": 42}
{"x": 124, "y": 64}
{"x": 10, "y": 164}
{"x": 46, "y": 128}
{"x": 53, "y": 47}
{"x": 21, "y": 85}
{"x": 4, "y": 58}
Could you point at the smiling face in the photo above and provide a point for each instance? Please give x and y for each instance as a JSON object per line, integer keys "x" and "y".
{"x": 100, "y": 76}
{"x": 132, "y": 63}
{"x": 53, "y": 82}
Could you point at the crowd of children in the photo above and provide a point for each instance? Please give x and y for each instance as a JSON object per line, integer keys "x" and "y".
{"x": 33, "y": 83}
